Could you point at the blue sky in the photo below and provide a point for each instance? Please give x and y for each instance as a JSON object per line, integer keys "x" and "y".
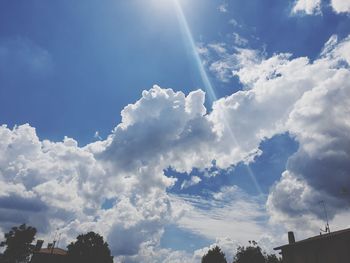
{"x": 244, "y": 125}
{"x": 103, "y": 55}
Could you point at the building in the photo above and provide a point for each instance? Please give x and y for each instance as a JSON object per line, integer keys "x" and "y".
{"x": 50, "y": 254}
{"x": 332, "y": 247}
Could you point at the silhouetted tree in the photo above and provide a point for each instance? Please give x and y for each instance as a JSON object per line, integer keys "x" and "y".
{"x": 272, "y": 259}
{"x": 249, "y": 254}
{"x": 214, "y": 255}
{"x": 89, "y": 248}
{"x": 254, "y": 254}
{"x": 18, "y": 244}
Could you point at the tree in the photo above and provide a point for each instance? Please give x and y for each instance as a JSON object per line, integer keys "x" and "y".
{"x": 254, "y": 254}
{"x": 272, "y": 259}
{"x": 89, "y": 248}
{"x": 214, "y": 255}
{"x": 249, "y": 254}
{"x": 18, "y": 244}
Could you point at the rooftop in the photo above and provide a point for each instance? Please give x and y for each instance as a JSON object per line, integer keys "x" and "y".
{"x": 316, "y": 238}
{"x": 55, "y": 251}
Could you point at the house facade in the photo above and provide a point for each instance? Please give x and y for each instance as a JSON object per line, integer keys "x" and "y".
{"x": 332, "y": 247}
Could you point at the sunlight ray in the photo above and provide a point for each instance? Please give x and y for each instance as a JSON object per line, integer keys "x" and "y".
{"x": 205, "y": 79}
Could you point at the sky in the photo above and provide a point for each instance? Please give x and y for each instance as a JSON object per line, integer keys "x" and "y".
{"x": 172, "y": 126}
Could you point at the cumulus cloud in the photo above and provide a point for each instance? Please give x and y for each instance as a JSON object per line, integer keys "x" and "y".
{"x": 319, "y": 170}
{"x": 54, "y": 176}
{"x": 63, "y": 182}
{"x": 60, "y": 184}
{"x": 64, "y": 185}
{"x": 311, "y": 7}
{"x": 308, "y": 99}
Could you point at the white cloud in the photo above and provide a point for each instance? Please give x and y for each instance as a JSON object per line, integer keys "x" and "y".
{"x": 59, "y": 184}
{"x": 307, "y": 6}
{"x": 310, "y": 100}
{"x": 320, "y": 123}
{"x": 214, "y": 217}
{"x": 228, "y": 64}
{"x": 97, "y": 135}
{"x": 227, "y": 245}
{"x": 311, "y": 7}
{"x": 239, "y": 40}
{"x": 341, "y": 6}
{"x": 329, "y": 46}
{"x": 319, "y": 169}
{"x": 231, "y": 217}
{"x": 164, "y": 128}
{"x": 218, "y": 48}
{"x": 54, "y": 175}
{"x": 193, "y": 181}
{"x": 49, "y": 185}
{"x": 66, "y": 185}
{"x": 151, "y": 254}
{"x": 234, "y": 22}
{"x": 223, "y": 7}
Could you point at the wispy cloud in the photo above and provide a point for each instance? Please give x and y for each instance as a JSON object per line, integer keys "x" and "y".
{"x": 193, "y": 181}
{"x": 22, "y": 57}
{"x": 229, "y": 217}
{"x": 223, "y": 7}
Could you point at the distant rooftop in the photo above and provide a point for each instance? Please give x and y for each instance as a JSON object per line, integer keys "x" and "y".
{"x": 55, "y": 251}
{"x": 316, "y": 238}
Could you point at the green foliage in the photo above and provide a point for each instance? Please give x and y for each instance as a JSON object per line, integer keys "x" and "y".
{"x": 214, "y": 255}
{"x": 18, "y": 244}
{"x": 89, "y": 248}
{"x": 254, "y": 254}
